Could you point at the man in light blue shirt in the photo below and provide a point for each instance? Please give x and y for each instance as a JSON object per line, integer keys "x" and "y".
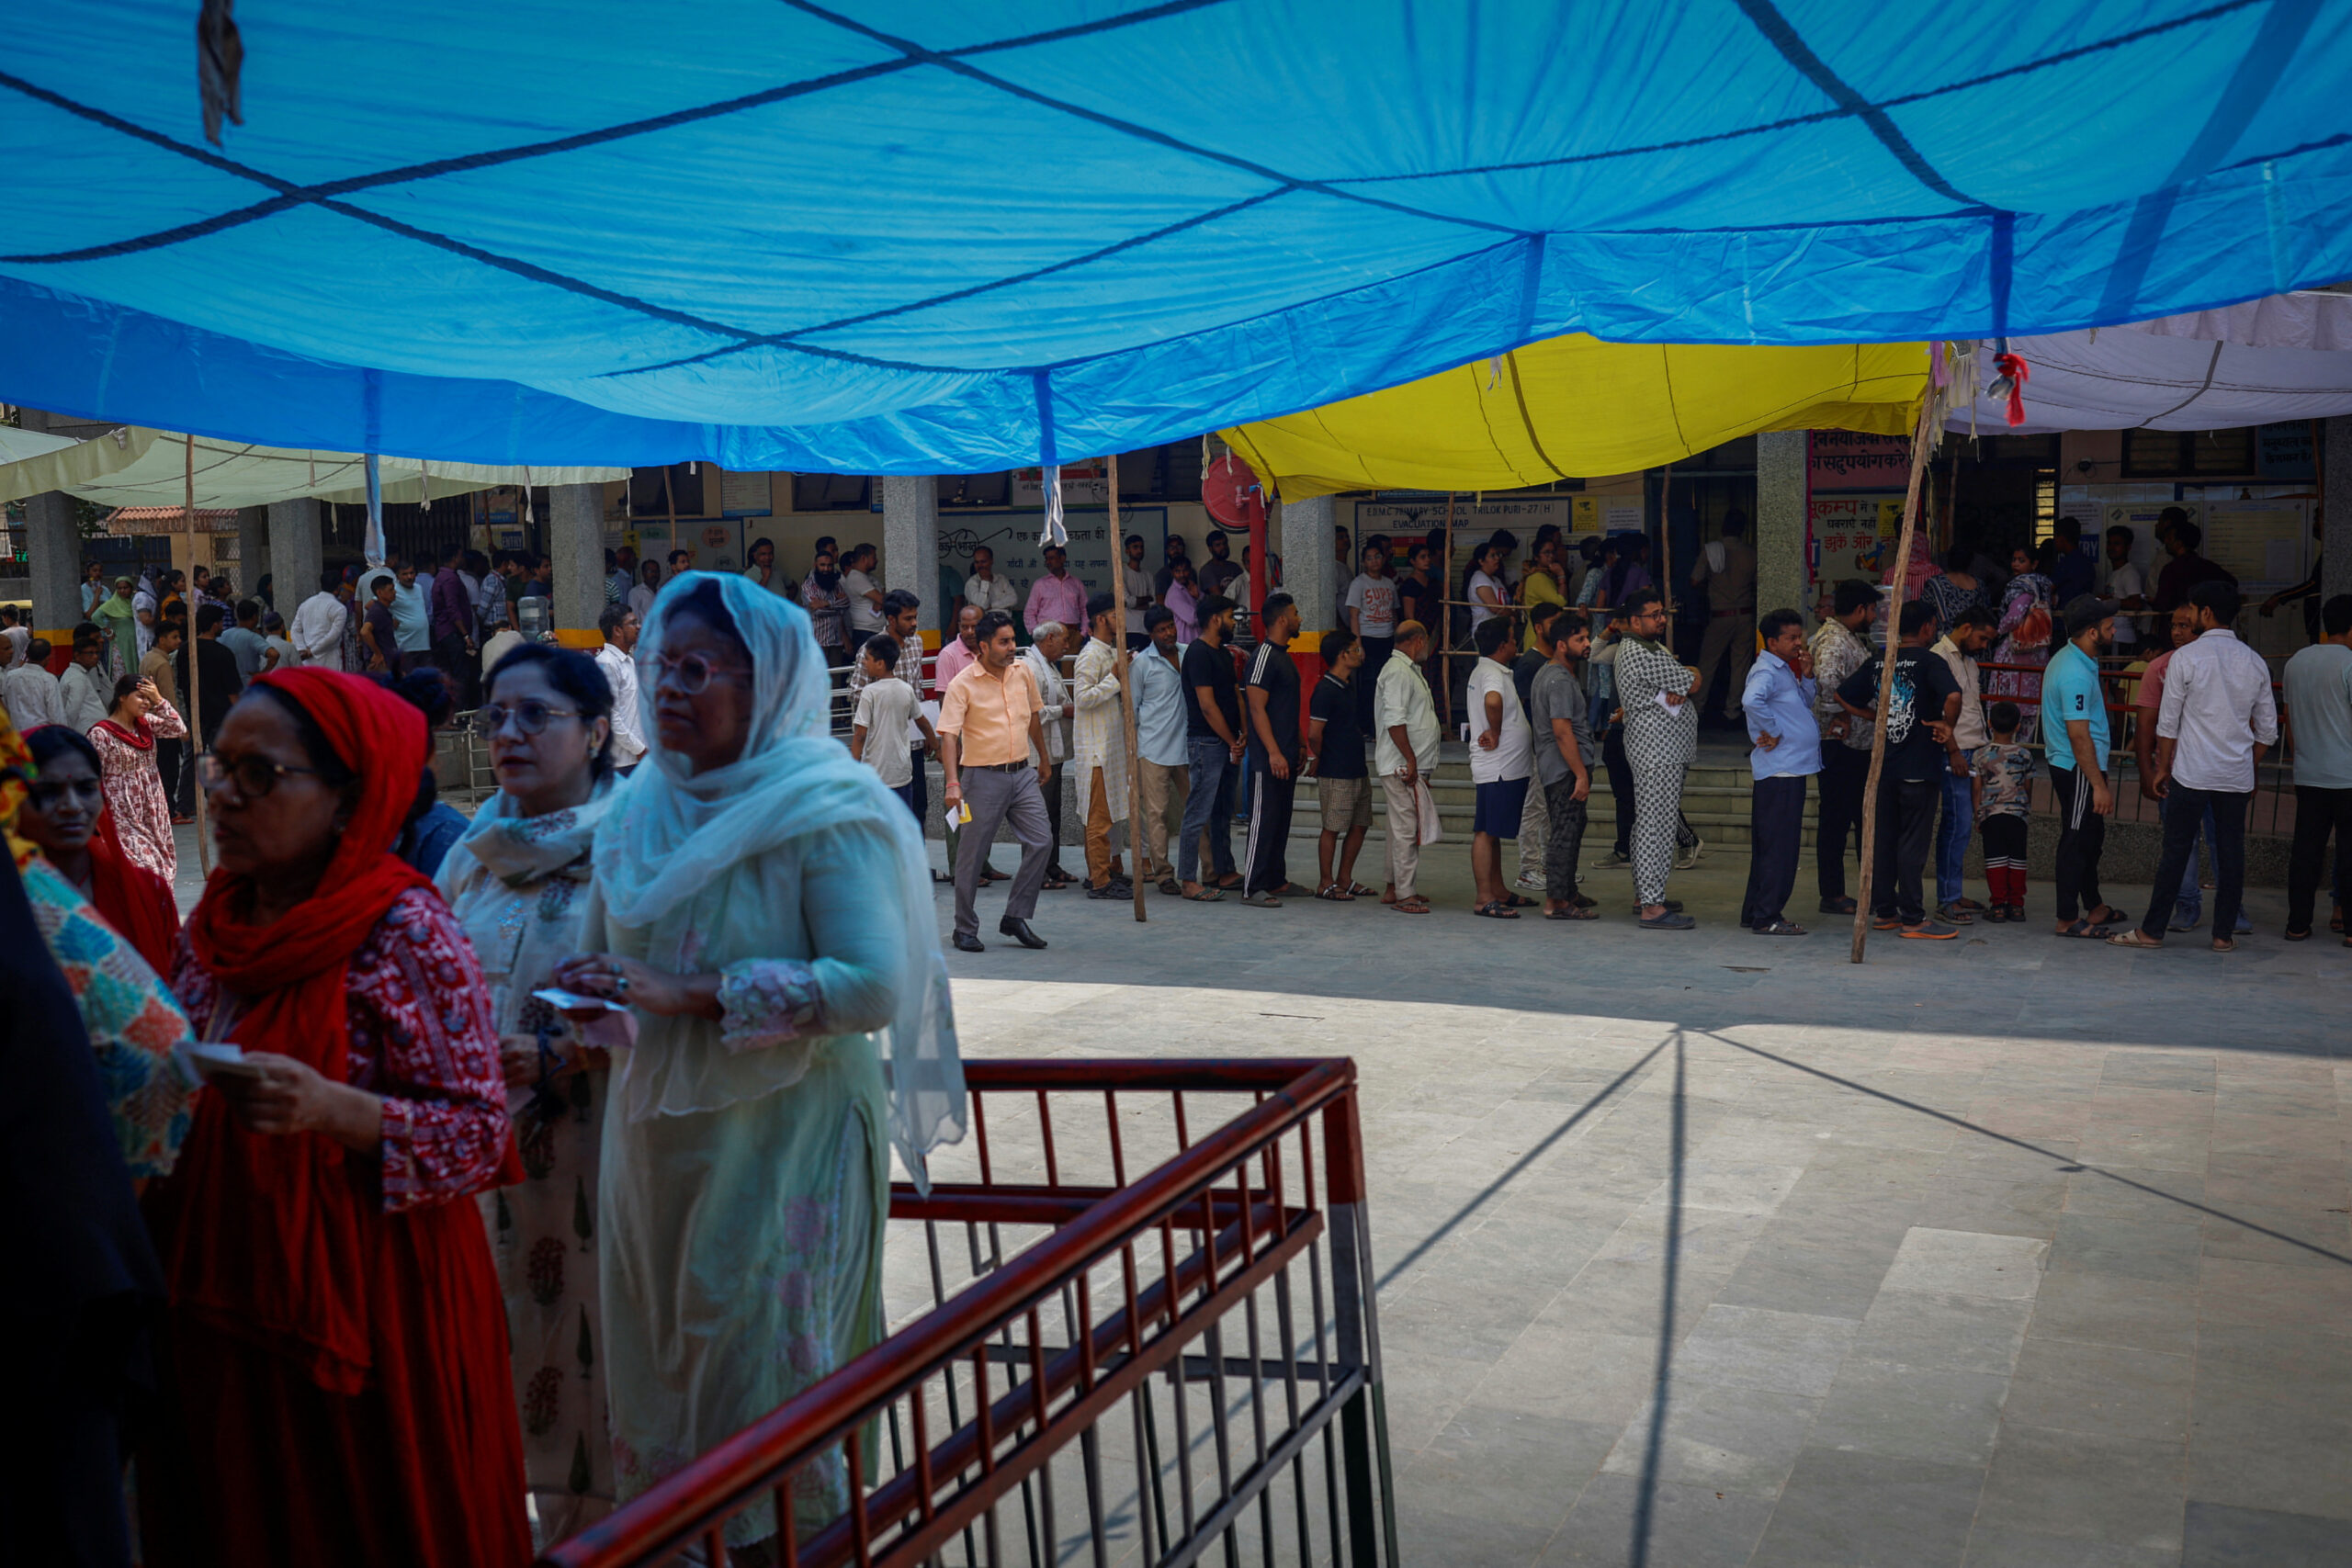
{"x": 1778, "y": 702}
{"x": 1158, "y": 678}
{"x": 411, "y": 616}
{"x": 2074, "y": 739}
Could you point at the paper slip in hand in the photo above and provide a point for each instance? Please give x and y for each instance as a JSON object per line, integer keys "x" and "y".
{"x": 562, "y": 1000}
{"x": 210, "y": 1060}
{"x": 1659, "y": 698}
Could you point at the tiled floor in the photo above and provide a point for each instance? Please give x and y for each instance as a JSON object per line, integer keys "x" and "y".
{"x": 2009, "y": 1252}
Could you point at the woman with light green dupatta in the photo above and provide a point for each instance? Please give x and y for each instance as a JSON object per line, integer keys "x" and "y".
{"x": 767, "y": 917}
{"x": 518, "y": 883}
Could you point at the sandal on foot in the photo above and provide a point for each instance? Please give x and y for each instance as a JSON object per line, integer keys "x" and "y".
{"x": 1570, "y": 913}
{"x": 2135, "y": 937}
{"x": 2084, "y": 931}
{"x": 2303, "y": 935}
{"x": 1205, "y": 895}
{"x": 1497, "y": 910}
{"x": 1780, "y": 928}
{"x": 1416, "y": 905}
{"x": 2225, "y": 944}
{"x": 1358, "y": 890}
{"x": 1332, "y": 893}
{"x": 1513, "y": 900}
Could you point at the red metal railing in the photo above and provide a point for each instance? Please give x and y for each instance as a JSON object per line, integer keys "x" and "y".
{"x": 985, "y": 1398}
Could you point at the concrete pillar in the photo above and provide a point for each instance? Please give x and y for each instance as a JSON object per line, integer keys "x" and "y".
{"x": 1780, "y": 582}
{"x": 576, "y": 541}
{"x": 253, "y": 555}
{"x": 1304, "y": 541}
{"x": 910, "y": 543}
{"x": 53, "y": 544}
{"x": 2336, "y": 464}
{"x": 297, "y": 545}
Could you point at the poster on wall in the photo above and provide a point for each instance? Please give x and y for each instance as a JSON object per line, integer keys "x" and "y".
{"x": 1853, "y": 535}
{"x": 1086, "y": 483}
{"x": 1848, "y": 460}
{"x": 1522, "y": 515}
{"x": 745, "y": 495}
{"x": 1011, "y": 539}
{"x": 2262, "y": 542}
{"x": 1608, "y": 513}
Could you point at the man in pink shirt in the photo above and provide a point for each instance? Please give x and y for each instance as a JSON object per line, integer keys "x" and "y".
{"x": 961, "y": 650}
{"x": 1056, "y": 596}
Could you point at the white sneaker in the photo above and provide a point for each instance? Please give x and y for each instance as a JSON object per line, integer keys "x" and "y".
{"x": 1527, "y": 884}
{"x": 1685, "y": 859}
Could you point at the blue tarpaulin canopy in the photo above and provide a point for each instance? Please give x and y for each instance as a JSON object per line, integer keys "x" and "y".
{"x": 919, "y": 236}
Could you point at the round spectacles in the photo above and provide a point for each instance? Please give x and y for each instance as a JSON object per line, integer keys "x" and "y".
{"x": 530, "y": 718}
{"x": 49, "y": 796}
{"x": 253, "y": 777}
{"x": 690, "y": 672}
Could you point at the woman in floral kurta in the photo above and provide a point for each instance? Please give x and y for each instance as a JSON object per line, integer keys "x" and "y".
{"x": 518, "y": 883}
{"x": 2028, "y": 609}
{"x": 126, "y": 741}
{"x": 766, "y": 915}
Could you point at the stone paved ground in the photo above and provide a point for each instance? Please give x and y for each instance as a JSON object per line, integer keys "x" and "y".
{"x": 2010, "y": 1252}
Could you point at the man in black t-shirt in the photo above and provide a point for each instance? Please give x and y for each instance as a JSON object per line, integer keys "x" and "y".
{"x": 1274, "y": 753}
{"x": 1920, "y": 712}
{"x": 1213, "y": 747}
{"x": 1343, "y": 781}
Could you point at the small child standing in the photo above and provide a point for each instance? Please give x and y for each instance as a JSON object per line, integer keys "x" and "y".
{"x": 887, "y": 705}
{"x": 2004, "y": 786}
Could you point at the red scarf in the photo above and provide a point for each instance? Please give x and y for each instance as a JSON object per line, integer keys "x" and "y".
{"x": 133, "y": 900}
{"x": 268, "y": 1239}
{"x": 139, "y": 736}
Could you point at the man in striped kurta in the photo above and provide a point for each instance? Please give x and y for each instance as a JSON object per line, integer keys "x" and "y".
{"x": 1661, "y": 743}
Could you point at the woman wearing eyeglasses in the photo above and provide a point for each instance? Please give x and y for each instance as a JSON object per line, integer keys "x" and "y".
{"x": 126, "y": 740}
{"x": 518, "y": 882}
{"x": 767, "y": 916}
{"x": 334, "y": 1361}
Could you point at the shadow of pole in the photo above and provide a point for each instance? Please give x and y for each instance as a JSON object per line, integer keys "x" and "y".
{"x": 1653, "y": 1445}
{"x": 1520, "y": 1164}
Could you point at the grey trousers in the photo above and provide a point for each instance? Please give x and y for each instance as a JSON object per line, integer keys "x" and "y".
{"x": 996, "y": 796}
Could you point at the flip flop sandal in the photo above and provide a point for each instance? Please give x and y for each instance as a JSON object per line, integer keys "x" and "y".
{"x": 2114, "y": 916}
{"x": 1335, "y": 893}
{"x": 2135, "y": 937}
{"x": 2298, "y": 936}
{"x": 1571, "y": 913}
{"x": 2084, "y": 931}
{"x": 1780, "y": 928}
{"x": 1205, "y": 895}
{"x": 1516, "y": 902}
{"x": 1358, "y": 890}
{"x": 1171, "y": 886}
{"x": 2225, "y": 944}
{"x": 1497, "y": 910}
{"x": 1417, "y": 905}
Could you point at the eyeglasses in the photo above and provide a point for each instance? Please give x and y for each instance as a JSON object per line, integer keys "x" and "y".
{"x": 529, "y": 716}
{"x": 49, "y": 796}
{"x": 691, "y": 672}
{"x": 253, "y": 777}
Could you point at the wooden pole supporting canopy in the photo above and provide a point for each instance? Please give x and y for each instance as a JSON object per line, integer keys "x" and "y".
{"x": 194, "y": 675}
{"x": 1922, "y": 442}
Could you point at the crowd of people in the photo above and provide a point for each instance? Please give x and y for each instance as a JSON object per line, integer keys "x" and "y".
{"x": 421, "y": 1216}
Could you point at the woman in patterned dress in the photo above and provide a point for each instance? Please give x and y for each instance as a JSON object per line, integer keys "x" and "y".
{"x": 336, "y": 1384}
{"x": 766, "y": 913}
{"x": 2028, "y": 609}
{"x": 126, "y": 741}
{"x": 518, "y": 883}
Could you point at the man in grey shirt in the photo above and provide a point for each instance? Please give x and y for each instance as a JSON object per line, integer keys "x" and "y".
{"x": 1561, "y": 717}
{"x": 2319, "y": 722}
{"x": 2217, "y": 719}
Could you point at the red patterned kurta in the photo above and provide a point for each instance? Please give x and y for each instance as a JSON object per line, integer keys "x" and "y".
{"x": 142, "y": 817}
{"x": 422, "y": 1037}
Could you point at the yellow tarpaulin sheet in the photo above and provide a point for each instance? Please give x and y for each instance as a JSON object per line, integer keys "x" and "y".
{"x": 1574, "y": 407}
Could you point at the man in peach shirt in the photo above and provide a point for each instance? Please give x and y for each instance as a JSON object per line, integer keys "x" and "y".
{"x": 987, "y": 724}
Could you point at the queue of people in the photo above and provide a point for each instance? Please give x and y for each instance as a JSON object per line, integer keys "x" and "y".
{"x": 473, "y": 1204}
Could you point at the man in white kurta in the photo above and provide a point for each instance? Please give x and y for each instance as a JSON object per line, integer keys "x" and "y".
{"x": 1098, "y": 748}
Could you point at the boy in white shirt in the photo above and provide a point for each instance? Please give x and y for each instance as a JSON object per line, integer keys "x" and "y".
{"x": 885, "y": 705}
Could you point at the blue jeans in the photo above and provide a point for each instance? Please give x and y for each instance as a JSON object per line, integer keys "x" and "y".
{"x": 1209, "y": 809}
{"x": 1952, "y": 834}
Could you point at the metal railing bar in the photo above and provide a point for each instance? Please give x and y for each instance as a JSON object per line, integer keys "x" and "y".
{"x": 1319, "y": 1417}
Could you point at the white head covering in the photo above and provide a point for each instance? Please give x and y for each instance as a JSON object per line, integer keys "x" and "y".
{"x": 673, "y": 833}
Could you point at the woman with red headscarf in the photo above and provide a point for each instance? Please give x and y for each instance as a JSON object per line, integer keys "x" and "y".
{"x": 68, "y": 821}
{"x": 335, "y": 1349}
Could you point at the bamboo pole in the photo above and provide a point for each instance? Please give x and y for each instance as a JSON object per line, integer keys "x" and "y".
{"x": 1920, "y": 441}
{"x": 1127, "y": 690}
{"x": 1441, "y": 633}
{"x": 194, "y": 667}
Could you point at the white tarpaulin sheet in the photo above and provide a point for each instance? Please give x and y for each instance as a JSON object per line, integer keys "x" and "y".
{"x": 2289, "y": 356}
{"x": 135, "y": 467}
